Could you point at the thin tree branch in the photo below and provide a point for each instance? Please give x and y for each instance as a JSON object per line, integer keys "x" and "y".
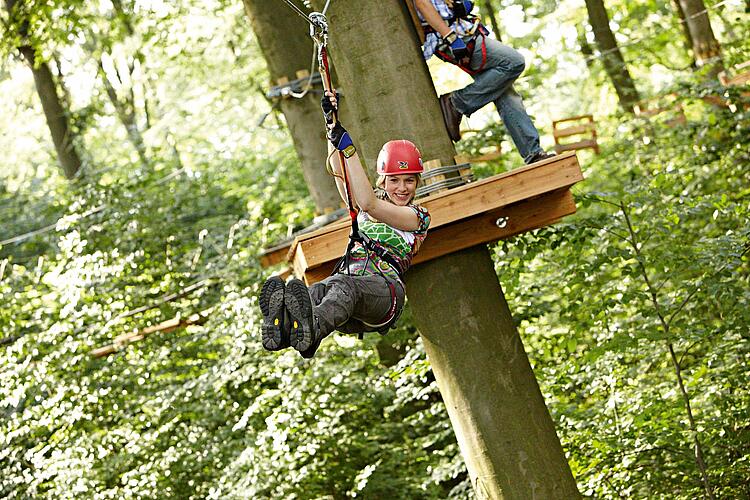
{"x": 169, "y": 298}
{"x": 610, "y": 231}
{"x": 678, "y": 372}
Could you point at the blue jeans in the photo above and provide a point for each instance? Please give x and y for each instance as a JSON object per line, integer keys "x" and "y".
{"x": 495, "y": 84}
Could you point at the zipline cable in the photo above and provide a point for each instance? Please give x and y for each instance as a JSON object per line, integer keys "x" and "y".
{"x": 297, "y": 10}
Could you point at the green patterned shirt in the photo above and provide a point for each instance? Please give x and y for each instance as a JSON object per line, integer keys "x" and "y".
{"x": 400, "y": 244}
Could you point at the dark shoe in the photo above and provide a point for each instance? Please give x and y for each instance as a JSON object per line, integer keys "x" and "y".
{"x": 275, "y": 327}
{"x": 303, "y": 335}
{"x": 310, "y": 351}
{"x": 451, "y": 116}
{"x": 541, "y": 155}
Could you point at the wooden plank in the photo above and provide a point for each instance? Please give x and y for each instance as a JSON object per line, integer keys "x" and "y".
{"x": 572, "y": 118}
{"x": 489, "y": 156}
{"x": 275, "y": 255}
{"x": 326, "y": 248}
{"x": 574, "y": 146}
{"x": 503, "y": 189}
{"x": 415, "y": 20}
{"x": 431, "y": 165}
{"x": 737, "y": 78}
{"x": 170, "y": 325}
{"x": 327, "y": 244}
{"x": 580, "y": 129}
{"x": 519, "y": 217}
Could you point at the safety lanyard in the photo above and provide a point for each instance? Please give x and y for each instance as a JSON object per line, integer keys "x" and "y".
{"x": 319, "y": 34}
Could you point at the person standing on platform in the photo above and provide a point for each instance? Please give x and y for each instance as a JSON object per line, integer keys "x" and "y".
{"x": 454, "y": 35}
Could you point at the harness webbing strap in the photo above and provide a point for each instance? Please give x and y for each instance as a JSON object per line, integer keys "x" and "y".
{"x": 391, "y": 314}
{"x": 370, "y": 246}
{"x": 326, "y": 71}
{"x": 481, "y": 31}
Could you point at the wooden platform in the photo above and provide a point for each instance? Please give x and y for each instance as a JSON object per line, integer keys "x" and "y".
{"x": 659, "y": 105}
{"x": 739, "y": 75}
{"x": 481, "y": 212}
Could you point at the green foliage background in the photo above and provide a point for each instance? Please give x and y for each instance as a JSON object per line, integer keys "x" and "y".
{"x": 651, "y": 275}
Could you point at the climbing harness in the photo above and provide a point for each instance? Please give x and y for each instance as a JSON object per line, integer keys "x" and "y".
{"x": 443, "y": 50}
{"x": 477, "y": 30}
{"x": 370, "y": 246}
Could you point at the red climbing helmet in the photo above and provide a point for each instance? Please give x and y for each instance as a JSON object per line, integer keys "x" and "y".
{"x": 399, "y": 157}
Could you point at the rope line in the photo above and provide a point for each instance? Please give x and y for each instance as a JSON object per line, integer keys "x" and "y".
{"x": 308, "y": 85}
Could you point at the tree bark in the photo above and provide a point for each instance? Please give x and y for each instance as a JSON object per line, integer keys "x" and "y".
{"x": 503, "y": 428}
{"x": 586, "y": 50}
{"x": 287, "y": 48}
{"x": 505, "y": 432}
{"x": 614, "y": 63}
{"x": 54, "y": 112}
{"x": 706, "y": 48}
{"x": 489, "y": 9}
{"x": 686, "y": 31}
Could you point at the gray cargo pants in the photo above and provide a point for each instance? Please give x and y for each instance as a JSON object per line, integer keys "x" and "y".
{"x": 351, "y": 303}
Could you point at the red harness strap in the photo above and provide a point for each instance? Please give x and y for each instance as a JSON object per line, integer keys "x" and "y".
{"x": 385, "y": 324}
{"x": 481, "y": 31}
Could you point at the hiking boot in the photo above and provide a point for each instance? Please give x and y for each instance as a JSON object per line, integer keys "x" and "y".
{"x": 303, "y": 335}
{"x": 310, "y": 351}
{"x": 541, "y": 155}
{"x": 451, "y": 116}
{"x": 275, "y": 329}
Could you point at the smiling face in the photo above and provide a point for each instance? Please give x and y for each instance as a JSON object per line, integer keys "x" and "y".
{"x": 401, "y": 188}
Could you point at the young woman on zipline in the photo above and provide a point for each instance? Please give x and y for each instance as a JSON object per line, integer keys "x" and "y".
{"x": 366, "y": 290}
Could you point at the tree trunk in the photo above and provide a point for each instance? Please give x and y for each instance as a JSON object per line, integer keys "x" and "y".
{"x": 505, "y": 432}
{"x": 586, "y": 50}
{"x": 489, "y": 9}
{"x": 287, "y": 48}
{"x": 125, "y": 108}
{"x": 124, "y": 102}
{"x": 54, "y": 111}
{"x": 503, "y": 428}
{"x": 686, "y": 31}
{"x": 57, "y": 117}
{"x": 614, "y": 64}
{"x": 706, "y": 48}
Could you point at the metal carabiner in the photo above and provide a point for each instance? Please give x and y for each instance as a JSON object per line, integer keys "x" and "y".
{"x": 318, "y": 28}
